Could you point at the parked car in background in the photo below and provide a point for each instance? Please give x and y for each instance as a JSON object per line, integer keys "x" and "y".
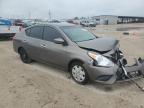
{"x": 54, "y": 21}
{"x": 88, "y": 23}
{"x": 84, "y": 55}
{"x": 18, "y": 22}
{"x": 5, "y": 22}
{"x": 73, "y": 21}
{"x": 5, "y": 28}
{"x": 28, "y": 23}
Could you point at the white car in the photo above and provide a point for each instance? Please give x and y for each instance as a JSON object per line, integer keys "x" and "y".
{"x": 87, "y": 23}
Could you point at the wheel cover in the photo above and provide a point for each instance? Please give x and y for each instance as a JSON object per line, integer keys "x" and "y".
{"x": 78, "y": 73}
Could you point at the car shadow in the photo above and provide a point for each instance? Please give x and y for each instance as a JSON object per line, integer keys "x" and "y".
{"x": 63, "y": 74}
{"x": 112, "y": 87}
{"x": 118, "y": 86}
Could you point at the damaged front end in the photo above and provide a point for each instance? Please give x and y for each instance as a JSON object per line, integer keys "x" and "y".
{"x": 108, "y": 63}
{"x": 134, "y": 71}
{"x": 118, "y": 72}
{"x": 126, "y": 72}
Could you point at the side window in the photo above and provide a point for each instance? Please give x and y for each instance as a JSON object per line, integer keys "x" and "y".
{"x": 50, "y": 34}
{"x": 36, "y": 32}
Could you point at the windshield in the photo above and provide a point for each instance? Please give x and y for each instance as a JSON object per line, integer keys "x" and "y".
{"x": 78, "y": 34}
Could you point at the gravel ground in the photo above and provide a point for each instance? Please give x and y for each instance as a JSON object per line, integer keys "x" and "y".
{"x": 41, "y": 86}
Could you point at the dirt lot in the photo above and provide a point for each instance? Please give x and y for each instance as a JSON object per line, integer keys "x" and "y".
{"x": 41, "y": 86}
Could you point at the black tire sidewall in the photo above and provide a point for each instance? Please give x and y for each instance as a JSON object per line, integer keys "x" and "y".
{"x": 86, "y": 75}
{"x": 24, "y": 60}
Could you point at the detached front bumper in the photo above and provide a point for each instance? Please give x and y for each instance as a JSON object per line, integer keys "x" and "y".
{"x": 110, "y": 75}
{"x": 133, "y": 72}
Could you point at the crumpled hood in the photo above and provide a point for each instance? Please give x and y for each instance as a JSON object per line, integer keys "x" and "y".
{"x": 99, "y": 44}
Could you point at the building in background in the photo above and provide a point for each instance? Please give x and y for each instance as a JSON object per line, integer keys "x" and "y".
{"x": 130, "y": 19}
{"x": 112, "y": 19}
{"x": 106, "y": 19}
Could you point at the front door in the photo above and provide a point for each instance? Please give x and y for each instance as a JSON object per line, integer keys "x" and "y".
{"x": 52, "y": 52}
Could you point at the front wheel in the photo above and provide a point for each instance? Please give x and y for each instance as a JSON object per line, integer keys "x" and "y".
{"x": 78, "y": 73}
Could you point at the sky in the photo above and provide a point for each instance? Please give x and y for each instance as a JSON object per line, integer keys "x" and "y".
{"x": 61, "y": 9}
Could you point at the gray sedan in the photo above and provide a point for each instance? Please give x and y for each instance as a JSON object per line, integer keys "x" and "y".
{"x": 84, "y": 55}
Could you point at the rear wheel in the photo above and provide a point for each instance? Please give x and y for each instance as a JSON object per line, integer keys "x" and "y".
{"x": 24, "y": 57}
{"x": 78, "y": 73}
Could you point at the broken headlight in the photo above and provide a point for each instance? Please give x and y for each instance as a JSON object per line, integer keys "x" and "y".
{"x": 100, "y": 60}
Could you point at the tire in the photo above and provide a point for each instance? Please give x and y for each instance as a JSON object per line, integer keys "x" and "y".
{"x": 24, "y": 57}
{"x": 79, "y": 73}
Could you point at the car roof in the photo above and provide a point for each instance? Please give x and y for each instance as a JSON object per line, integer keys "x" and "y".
{"x": 62, "y": 24}
{"x": 57, "y": 25}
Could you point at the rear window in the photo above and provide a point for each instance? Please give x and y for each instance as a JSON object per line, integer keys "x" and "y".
{"x": 35, "y": 32}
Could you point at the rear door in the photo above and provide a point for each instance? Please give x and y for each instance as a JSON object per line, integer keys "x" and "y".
{"x": 53, "y": 53}
{"x": 34, "y": 41}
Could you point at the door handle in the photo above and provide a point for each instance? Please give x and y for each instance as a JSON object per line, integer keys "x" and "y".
{"x": 43, "y": 45}
{"x": 24, "y": 41}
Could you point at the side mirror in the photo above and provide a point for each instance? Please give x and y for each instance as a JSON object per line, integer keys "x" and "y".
{"x": 59, "y": 41}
